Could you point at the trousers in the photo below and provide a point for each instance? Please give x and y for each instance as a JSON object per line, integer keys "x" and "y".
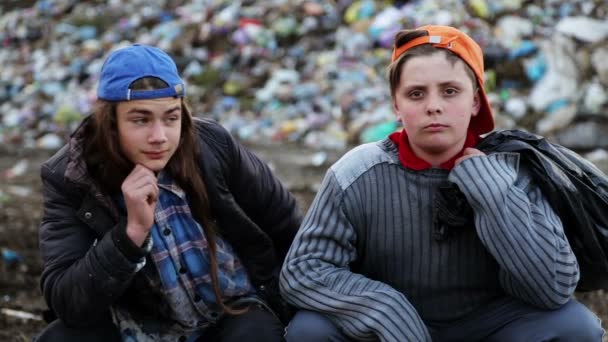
{"x": 506, "y": 320}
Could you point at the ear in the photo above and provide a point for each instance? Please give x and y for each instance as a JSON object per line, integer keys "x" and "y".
{"x": 476, "y": 104}
{"x": 396, "y": 109}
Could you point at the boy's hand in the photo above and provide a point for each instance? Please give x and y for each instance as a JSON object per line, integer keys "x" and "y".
{"x": 468, "y": 153}
{"x": 140, "y": 191}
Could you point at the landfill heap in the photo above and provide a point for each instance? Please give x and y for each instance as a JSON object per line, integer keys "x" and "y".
{"x": 305, "y": 72}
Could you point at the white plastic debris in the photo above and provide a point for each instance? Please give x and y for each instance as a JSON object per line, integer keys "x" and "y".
{"x": 20, "y": 314}
{"x": 562, "y": 76}
{"x": 584, "y": 28}
{"x": 17, "y": 170}
{"x": 557, "y": 120}
{"x": 516, "y": 107}
{"x": 50, "y": 141}
{"x": 595, "y": 99}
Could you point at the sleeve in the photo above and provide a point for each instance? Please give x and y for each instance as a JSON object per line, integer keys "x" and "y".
{"x": 82, "y": 276}
{"x": 316, "y": 276}
{"x": 519, "y": 228}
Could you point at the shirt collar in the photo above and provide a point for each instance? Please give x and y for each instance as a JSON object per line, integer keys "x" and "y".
{"x": 411, "y": 161}
{"x": 166, "y": 182}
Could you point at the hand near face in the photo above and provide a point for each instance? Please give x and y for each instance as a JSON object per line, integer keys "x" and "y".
{"x": 140, "y": 191}
{"x": 468, "y": 153}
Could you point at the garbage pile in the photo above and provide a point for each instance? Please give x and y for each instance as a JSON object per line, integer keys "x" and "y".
{"x": 309, "y": 72}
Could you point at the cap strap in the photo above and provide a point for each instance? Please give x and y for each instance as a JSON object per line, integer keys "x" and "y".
{"x": 438, "y": 41}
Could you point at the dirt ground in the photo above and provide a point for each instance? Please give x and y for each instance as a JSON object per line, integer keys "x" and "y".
{"x": 20, "y": 213}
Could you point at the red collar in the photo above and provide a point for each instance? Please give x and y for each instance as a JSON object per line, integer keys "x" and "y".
{"x": 411, "y": 161}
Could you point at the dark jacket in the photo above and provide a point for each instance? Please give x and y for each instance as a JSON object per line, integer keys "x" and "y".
{"x": 576, "y": 190}
{"x": 84, "y": 270}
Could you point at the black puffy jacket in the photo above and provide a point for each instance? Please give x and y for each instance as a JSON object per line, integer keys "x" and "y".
{"x": 84, "y": 272}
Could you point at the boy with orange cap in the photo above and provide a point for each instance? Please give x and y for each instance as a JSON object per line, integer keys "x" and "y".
{"x": 366, "y": 263}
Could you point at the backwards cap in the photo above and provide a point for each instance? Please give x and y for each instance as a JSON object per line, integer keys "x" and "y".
{"x": 127, "y": 65}
{"x": 468, "y": 50}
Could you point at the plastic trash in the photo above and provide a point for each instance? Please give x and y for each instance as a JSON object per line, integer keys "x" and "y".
{"x": 598, "y": 61}
{"x": 18, "y": 169}
{"x": 10, "y": 257}
{"x": 378, "y": 132}
{"x": 525, "y": 48}
{"x": 233, "y": 55}
{"x": 50, "y": 141}
{"x": 584, "y": 28}
{"x": 516, "y": 107}
{"x": 562, "y": 76}
{"x": 480, "y": 8}
{"x": 595, "y": 99}
{"x": 19, "y": 191}
{"x": 318, "y": 159}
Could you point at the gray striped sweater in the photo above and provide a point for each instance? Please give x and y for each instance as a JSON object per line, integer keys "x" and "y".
{"x": 366, "y": 258}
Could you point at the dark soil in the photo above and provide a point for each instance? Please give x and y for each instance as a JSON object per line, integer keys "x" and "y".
{"x": 20, "y": 216}
{"x": 19, "y": 219}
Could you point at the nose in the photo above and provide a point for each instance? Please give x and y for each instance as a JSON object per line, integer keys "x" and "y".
{"x": 434, "y": 104}
{"x": 157, "y": 133}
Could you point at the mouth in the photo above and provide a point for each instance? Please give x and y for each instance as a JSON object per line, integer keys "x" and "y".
{"x": 435, "y": 125}
{"x": 155, "y": 154}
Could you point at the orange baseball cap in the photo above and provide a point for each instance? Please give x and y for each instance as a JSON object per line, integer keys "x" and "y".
{"x": 468, "y": 50}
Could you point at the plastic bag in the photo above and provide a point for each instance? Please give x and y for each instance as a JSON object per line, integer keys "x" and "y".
{"x": 575, "y": 188}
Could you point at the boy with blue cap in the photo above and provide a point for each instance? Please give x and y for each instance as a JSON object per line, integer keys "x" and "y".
{"x": 158, "y": 226}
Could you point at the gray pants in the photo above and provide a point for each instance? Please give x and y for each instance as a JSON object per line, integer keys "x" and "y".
{"x": 506, "y": 320}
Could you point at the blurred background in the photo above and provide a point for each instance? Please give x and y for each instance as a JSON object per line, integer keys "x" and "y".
{"x": 300, "y": 82}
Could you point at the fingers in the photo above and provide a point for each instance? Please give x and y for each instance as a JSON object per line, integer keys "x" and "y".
{"x": 140, "y": 192}
{"x": 468, "y": 153}
{"x": 140, "y": 184}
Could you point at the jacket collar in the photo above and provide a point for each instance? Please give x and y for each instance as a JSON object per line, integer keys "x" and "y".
{"x": 77, "y": 171}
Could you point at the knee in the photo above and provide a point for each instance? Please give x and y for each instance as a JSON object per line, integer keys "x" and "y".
{"x": 58, "y": 331}
{"x": 257, "y": 324}
{"x": 311, "y": 326}
{"x": 578, "y": 323}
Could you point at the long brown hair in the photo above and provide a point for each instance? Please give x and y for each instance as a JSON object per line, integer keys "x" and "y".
{"x": 403, "y": 37}
{"x": 109, "y": 166}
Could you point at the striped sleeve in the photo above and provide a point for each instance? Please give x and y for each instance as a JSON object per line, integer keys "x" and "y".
{"x": 316, "y": 276}
{"x": 518, "y": 227}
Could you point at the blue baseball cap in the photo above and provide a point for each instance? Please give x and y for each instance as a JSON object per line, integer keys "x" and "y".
{"x": 126, "y": 65}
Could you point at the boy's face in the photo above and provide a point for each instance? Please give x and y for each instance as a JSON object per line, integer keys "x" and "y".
{"x": 435, "y": 101}
{"x": 149, "y": 130}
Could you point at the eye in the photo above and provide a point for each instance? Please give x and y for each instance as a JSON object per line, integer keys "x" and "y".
{"x": 451, "y": 91}
{"x": 172, "y": 118}
{"x": 415, "y": 94}
{"x": 139, "y": 120}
